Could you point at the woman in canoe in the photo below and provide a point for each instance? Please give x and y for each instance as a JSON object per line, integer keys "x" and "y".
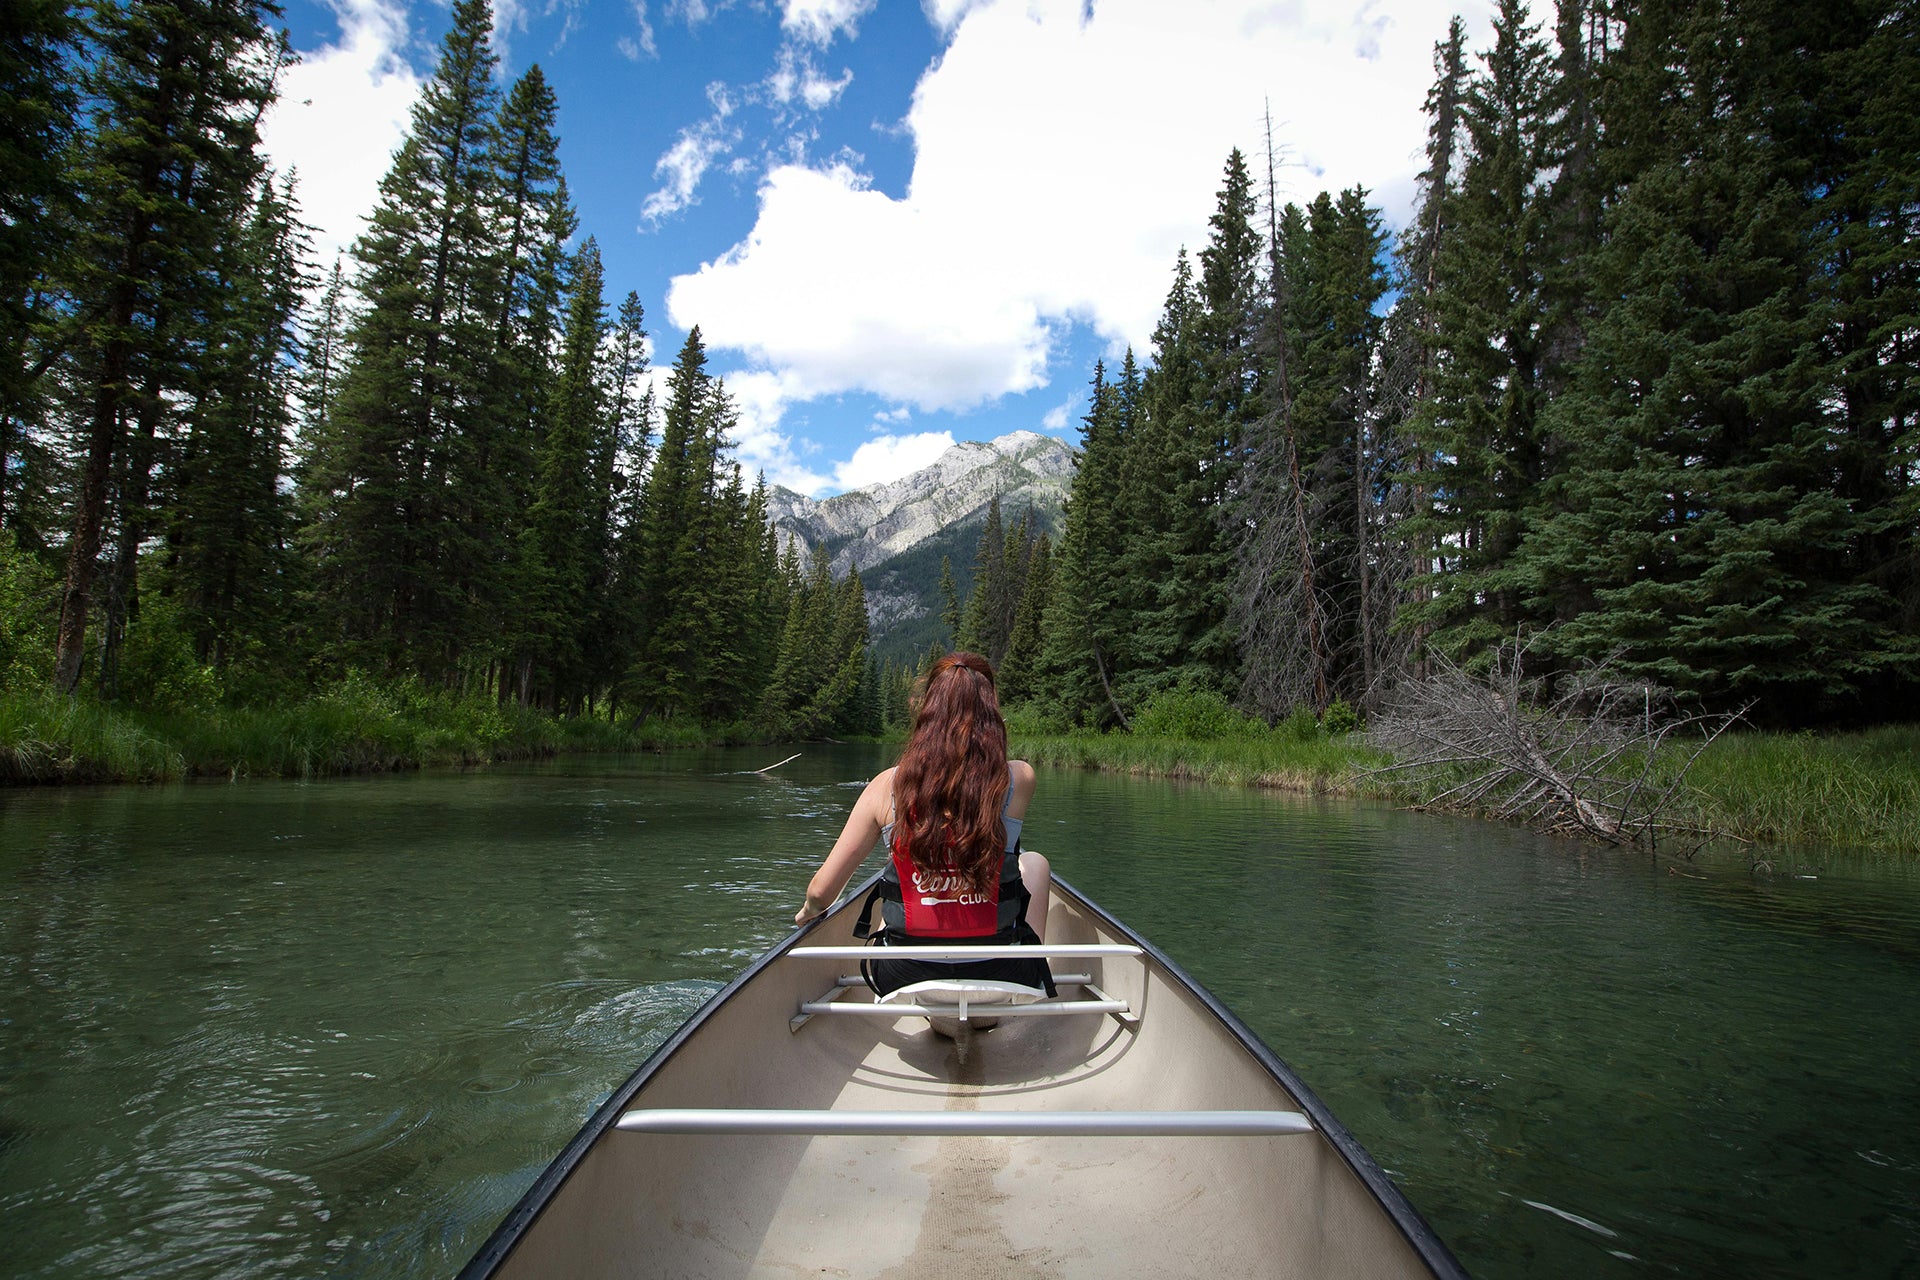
{"x": 949, "y": 814}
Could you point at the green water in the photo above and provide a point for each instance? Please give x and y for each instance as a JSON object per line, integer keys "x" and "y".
{"x": 335, "y": 1029}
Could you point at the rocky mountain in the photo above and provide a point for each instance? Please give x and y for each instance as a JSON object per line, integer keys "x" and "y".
{"x": 897, "y": 532}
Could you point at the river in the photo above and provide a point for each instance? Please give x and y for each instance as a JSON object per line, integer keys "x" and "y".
{"x": 335, "y": 1029}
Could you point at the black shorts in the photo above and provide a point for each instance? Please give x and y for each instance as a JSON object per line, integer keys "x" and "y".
{"x": 890, "y": 975}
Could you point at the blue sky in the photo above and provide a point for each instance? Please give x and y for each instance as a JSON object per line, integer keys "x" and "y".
{"x": 898, "y": 223}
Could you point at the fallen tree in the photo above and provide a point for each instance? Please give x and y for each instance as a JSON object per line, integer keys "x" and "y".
{"x": 1581, "y": 752}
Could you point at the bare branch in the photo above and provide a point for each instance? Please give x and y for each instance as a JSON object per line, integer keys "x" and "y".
{"x": 1584, "y": 752}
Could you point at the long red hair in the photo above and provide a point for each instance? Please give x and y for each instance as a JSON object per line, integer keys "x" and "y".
{"x": 951, "y": 783}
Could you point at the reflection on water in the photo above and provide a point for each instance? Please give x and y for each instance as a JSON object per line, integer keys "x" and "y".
{"x": 282, "y": 1029}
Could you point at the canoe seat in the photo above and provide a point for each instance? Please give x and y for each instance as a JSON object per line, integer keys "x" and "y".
{"x": 954, "y": 999}
{"x": 963, "y": 991}
{"x": 962, "y": 1000}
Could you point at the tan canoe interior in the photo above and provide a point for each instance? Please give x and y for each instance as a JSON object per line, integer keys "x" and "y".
{"x": 847, "y": 1206}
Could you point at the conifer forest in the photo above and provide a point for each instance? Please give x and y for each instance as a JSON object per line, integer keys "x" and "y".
{"x": 1636, "y": 380}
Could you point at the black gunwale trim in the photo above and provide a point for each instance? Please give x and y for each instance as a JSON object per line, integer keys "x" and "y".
{"x": 1419, "y": 1233}
{"x": 1425, "y": 1241}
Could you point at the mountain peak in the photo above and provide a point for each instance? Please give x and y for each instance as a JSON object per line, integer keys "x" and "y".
{"x": 868, "y": 526}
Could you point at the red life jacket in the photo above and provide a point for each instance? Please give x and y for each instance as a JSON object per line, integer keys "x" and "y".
{"x": 939, "y": 903}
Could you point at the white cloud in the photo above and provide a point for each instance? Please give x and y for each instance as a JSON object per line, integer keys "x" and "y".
{"x": 688, "y": 159}
{"x": 852, "y": 290}
{"x": 795, "y": 77}
{"x": 1063, "y": 156}
{"x": 513, "y": 18}
{"x": 821, "y": 20}
{"x": 946, "y": 14}
{"x": 691, "y": 12}
{"x": 761, "y": 399}
{"x": 890, "y": 457}
{"x": 818, "y": 91}
{"x": 1056, "y": 418}
{"x": 343, "y": 110}
{"x": 641, "y": 42}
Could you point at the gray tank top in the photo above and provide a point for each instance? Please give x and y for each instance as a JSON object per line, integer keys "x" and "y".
{"x": 1011, "y": 823}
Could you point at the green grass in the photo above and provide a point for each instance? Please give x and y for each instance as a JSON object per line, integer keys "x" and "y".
{"x": 1849, "y": 789}
{"x": 1853, "y": 790}
{"x": 1858, "y": 790}
{"x": 48, "y": 738}
{"x": 1277, "y": 759}
{"x": 354, "y": 728}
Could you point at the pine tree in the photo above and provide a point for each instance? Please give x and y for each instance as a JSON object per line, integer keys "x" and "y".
{"x": 1479, "y": 424}
{"x": 169, "y": 163}
{"x": 1311, "y": 541}
{"x": 1858, "y": 138}
{"x": 950, "y": 614}
{"x": 407, "y": 537}
{"x": 1411, "y": 342}
{"x": 1142, "y": 617}
{"x": 38, "y": 106}
{"x": 1207, "y": 423}
{"x": 1700, "y": 533}
{"x": 617, "y": 602}
{"x": 1018, "y": 670}
{"x": 980, "y": 623}
{"x": 674, "y": 485}
{"x": 530, "y": 219}
{"x": 227, "y": 519}
{"x": 561, "y": 541}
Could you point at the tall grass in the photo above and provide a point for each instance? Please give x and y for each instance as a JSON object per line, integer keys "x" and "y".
{"x": 355, "y": 727}
{"x": 1275, "y": 760}
{"x": 1857, "y": 789}
{"x": 1836, "y": 790}
{"x": 1196, "y": 735}
{"x": 45, "y": 737}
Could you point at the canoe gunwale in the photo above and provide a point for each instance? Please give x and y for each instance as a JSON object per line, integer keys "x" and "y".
{"x": 529, "y": 1207}
{"x": 1412, "y": 1226}
{"x": 1419, "y": 1233}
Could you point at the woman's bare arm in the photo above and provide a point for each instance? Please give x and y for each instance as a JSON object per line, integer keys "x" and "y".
{"x": 856, "y": 839}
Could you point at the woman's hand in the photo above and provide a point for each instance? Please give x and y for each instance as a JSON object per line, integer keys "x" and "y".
{"x": 856, "y": 838}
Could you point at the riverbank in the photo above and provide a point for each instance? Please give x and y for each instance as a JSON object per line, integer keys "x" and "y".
{"x": 1855, "y": 790}
{"x": 354, "y": 728}
{"x": 1851, "y": 790}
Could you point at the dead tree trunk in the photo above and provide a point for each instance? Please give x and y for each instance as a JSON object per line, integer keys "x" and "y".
{"x": 1586, "y": 753}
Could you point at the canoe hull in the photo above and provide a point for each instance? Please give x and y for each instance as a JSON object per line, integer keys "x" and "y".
{"x": 748, "y": 1205}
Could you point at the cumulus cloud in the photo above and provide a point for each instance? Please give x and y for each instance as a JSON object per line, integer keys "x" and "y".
{"x": 887, "y": 458}
{"x": 848, "y": 294}
{"x": 760, "y": 398}
{"x": 819, "y": 21}
{"x": 343, "y": 110}
{"x": 945, "y": 15}
{"x": 1063, "y": 155}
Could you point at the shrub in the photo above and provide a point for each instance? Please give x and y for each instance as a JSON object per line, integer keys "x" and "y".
{"x": 159, "y": 670}
{"x": 1340, "y": 718}
{"x": 1192, "y": 714}
{"x": 1298, "y": 727}
{"x": 1030, "y": 720}
{"x": 29, "y": 595}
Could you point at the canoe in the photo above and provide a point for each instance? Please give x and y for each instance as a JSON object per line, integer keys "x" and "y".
{"x": 1130, "y": 1126}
